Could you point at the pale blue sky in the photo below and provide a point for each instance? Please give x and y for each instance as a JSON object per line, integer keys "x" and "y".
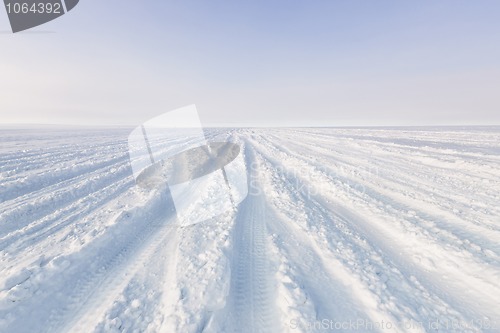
{"x": 298, "y": 63}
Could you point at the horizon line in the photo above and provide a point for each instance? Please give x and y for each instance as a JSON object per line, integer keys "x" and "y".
{"x": 96, "y": 126}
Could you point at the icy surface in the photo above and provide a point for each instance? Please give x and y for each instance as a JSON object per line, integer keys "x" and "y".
{"x": 369, "y": 230}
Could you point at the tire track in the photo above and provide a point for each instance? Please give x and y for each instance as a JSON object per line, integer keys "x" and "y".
{"x": 380, "y": 229}
{"x": 96, "y": 268}
{"x": 251, "y": 297}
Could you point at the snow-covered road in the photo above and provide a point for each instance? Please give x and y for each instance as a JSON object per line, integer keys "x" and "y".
{"x": 368, "y": 230}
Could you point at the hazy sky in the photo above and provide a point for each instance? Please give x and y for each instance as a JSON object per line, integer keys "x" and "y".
{"x": 335, "y": 62}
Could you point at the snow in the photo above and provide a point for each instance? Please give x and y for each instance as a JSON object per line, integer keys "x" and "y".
{"x": 369, "y": 230}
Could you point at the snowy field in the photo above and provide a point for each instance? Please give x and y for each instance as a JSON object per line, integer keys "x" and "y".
{"x": 368, "y": 230}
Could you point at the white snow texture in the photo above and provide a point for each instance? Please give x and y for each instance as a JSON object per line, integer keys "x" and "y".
{"x": 366, "y": 230}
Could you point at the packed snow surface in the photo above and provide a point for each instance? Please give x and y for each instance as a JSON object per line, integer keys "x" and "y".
{"x": 369, "y": 230}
